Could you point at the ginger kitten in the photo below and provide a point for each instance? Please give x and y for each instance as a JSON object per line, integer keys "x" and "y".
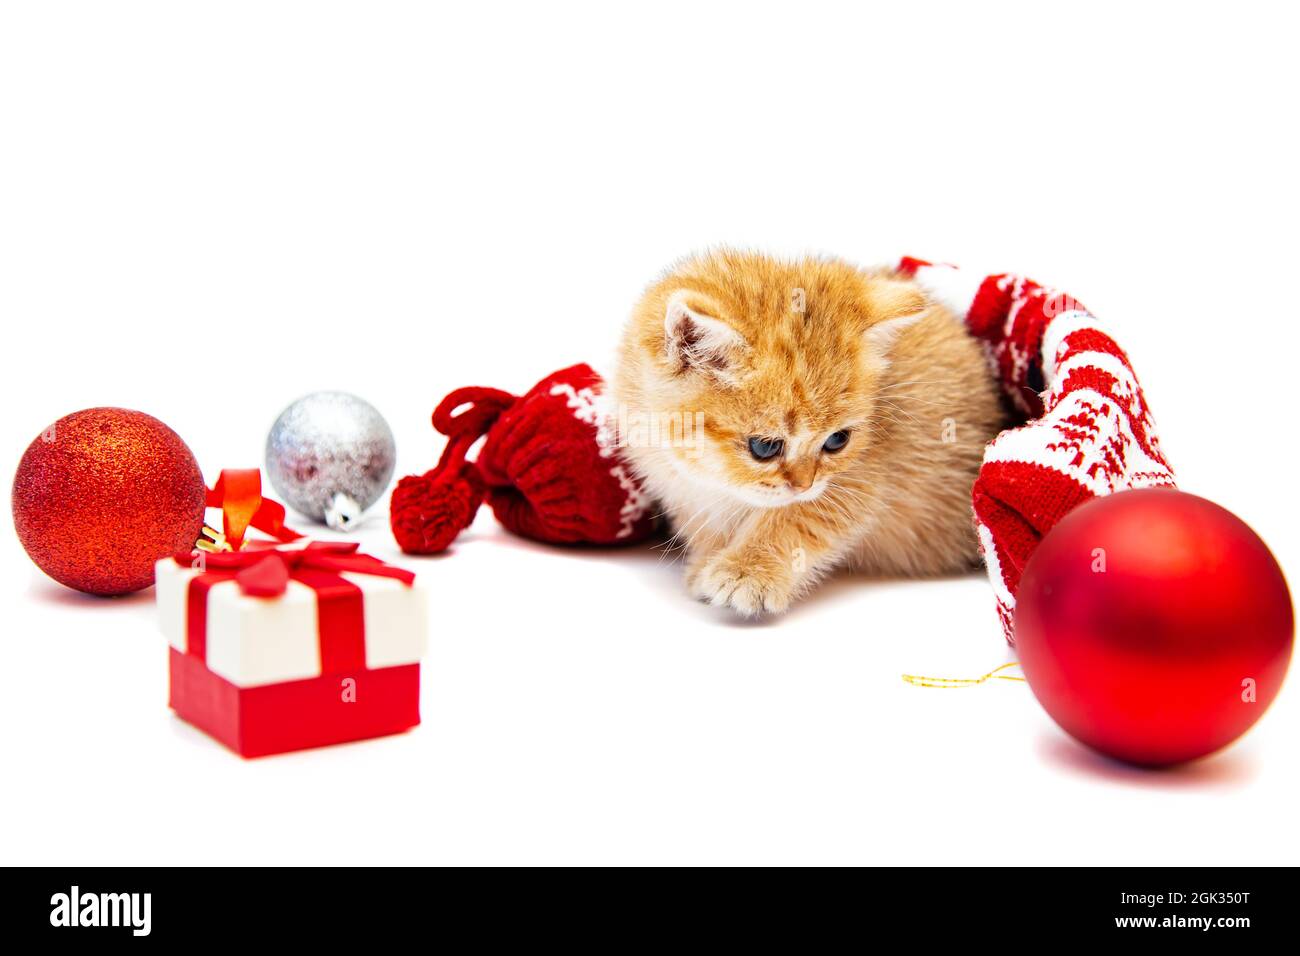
{"x": 793, "y": 417}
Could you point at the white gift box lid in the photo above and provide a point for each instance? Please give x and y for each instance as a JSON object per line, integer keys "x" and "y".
{"x": 253, "y": 641}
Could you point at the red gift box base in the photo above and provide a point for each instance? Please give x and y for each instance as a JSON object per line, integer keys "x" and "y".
{"x": 275, "y": 718}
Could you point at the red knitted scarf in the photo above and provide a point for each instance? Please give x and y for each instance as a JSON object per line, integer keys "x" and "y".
{"x": 1088, "y": 431}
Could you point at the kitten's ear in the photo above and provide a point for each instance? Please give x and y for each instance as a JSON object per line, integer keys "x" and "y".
{"x": 894, "y": 305}
{"x": 697, "y": 341}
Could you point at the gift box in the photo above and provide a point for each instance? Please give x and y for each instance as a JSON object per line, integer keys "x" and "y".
{"x": 279, "y": 647}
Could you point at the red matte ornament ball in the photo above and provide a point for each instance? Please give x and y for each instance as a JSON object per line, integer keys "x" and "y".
{"x": 102, "y": 494}
{"x": 1154, "y": 626}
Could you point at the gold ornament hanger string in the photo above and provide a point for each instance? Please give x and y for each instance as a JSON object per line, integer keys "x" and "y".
{"x": 917, "y": 680}
{"x": 212, "y": 541}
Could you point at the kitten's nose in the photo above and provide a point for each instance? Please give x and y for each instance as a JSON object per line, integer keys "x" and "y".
{"x": 799, "y": 475}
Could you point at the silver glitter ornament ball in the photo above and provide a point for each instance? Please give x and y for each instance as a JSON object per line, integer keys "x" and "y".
{"x": 330, "y": 456}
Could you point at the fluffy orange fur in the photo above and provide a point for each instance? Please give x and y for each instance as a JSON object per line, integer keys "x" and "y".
{"x": 730, "y": 346}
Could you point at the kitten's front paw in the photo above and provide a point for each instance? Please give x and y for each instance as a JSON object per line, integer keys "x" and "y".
{"x": 749, "y": 582}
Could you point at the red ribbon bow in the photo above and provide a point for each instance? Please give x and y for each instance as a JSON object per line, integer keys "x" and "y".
{"x": 238, "y": 493}
{"x": 264, "y": 569}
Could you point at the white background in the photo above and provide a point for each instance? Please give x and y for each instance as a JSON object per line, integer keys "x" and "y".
{"x": 206, "y": 211}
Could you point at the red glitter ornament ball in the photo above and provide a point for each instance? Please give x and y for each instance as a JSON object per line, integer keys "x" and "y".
{"x": 102, "y": 494}
{"x": 1154, "y": 626}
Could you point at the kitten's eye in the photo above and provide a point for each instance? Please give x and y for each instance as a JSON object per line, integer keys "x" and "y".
{"x": 836, "y": 441}
{"x": 765, "y": 448}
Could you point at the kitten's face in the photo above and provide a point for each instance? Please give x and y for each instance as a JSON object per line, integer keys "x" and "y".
{"x": 780, "y": 363}
{"x": 781, "y": 435}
